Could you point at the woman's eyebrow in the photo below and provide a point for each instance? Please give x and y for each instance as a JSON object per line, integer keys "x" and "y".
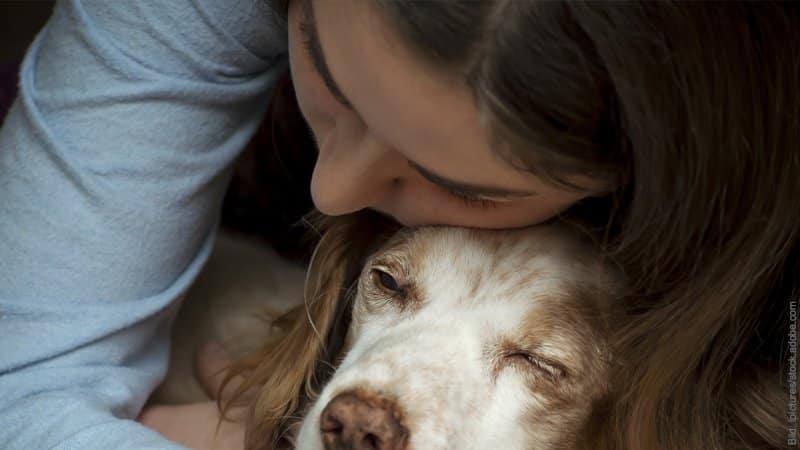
{"x": 308, "y": 27}
{"x": 468, "y": 188}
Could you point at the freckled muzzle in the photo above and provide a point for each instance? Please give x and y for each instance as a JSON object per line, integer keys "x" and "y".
{"x": 361, "y": 420}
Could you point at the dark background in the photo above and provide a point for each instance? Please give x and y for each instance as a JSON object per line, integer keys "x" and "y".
{"x": 19, "y": 23}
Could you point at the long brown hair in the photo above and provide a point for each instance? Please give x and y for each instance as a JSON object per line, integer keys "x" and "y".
{"x": 692, "y": 112}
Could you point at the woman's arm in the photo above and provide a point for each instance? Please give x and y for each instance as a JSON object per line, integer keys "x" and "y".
{"x": 113, "y": 163}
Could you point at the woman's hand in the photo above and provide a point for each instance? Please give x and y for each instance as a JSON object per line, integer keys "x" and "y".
{"x": 195, "y": 425}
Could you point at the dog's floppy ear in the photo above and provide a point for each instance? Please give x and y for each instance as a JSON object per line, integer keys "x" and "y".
{"x": 294, "y": 368}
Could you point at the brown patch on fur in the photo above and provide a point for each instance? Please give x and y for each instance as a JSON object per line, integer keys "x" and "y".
{"x": 577, "y": 315}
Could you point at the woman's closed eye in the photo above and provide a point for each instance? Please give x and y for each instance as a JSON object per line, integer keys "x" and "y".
{"x": 472, "y": 201}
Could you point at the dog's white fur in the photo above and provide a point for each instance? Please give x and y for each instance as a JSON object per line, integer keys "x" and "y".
{"x": 493, "y": 340}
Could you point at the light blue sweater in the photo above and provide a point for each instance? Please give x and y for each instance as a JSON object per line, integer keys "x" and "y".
{"x": 113, "y": 163}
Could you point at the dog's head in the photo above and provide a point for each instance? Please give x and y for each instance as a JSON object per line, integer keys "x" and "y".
{"x": 471, "y": 340}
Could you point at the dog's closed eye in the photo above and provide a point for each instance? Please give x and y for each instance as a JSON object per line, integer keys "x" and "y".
{"x": 529, "y": 361}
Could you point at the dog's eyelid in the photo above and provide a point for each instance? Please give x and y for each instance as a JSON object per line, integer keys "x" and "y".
{"x": 389, "y": 262}
{"x": 384, "y": 268}
{"x": 392, "y": 265}
{"x": 553, "y": 369}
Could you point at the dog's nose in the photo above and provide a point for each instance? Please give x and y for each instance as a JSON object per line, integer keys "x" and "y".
{"x": 361, "y": 422}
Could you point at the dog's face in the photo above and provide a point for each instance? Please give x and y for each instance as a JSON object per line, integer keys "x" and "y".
{"x": 465, "y": 339}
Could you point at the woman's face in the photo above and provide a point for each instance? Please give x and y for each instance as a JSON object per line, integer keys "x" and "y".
{"x": 395, "y": 135}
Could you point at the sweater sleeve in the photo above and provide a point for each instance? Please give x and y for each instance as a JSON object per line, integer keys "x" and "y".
{"x": 114, "y": 160}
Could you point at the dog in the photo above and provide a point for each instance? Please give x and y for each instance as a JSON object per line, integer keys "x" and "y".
{"x": 470, "y": 339}
{"x": 467, "y": 339}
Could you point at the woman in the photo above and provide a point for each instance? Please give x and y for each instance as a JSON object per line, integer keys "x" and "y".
{"x": 671, "y": 130}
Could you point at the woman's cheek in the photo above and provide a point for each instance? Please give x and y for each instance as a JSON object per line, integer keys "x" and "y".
{"x": 312, "y": 102}
{"x": 316, "y": 104}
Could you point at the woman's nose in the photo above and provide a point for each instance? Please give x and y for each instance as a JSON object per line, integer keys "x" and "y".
{"x": 353, "y": 173}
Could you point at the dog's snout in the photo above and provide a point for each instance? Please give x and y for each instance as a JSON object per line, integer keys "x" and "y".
{"x": 359, "y": 421}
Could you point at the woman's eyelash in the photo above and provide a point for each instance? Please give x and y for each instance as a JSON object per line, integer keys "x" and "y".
{"x": 472, "y": 201}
